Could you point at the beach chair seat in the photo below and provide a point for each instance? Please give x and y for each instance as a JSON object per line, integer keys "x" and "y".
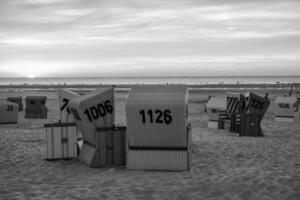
{"x": 109, "y": 151}
{"x": 160, "y": 158}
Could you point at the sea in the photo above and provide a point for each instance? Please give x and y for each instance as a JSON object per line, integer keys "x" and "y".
{"x": 152, "y": 80}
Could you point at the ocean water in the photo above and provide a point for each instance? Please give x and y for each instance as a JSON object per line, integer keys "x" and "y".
{"x": 153, "y": 80}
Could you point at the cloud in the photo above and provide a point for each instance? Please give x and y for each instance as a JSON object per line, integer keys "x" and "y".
{"x": 212, "y": 33}
{"x": 41, "y": 2}
{"x": 26, "y": 42}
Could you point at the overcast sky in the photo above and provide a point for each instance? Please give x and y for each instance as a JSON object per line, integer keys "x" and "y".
{"x": 149, "y": 37}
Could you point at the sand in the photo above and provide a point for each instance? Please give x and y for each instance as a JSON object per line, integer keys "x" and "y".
{"x": 224, "y": 166}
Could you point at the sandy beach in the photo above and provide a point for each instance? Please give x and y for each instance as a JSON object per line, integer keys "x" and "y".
{"x": 224, "y": 165}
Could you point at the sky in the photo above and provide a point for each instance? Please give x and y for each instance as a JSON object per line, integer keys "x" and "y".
{"x": 94, "y": 38}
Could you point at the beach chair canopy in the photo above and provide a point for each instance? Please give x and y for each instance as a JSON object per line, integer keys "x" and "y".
{"x": 235, "y": 103}
{"x": 64, "y": 97}
{"x": 16, "y": 99}
{"x": 157, "y": 116}
{"x": 36, "y": 100}
{"x": 93, "y": 110}
{"x": 256, "y": 104}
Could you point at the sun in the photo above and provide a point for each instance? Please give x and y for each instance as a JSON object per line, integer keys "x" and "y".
{"x": 30, "y": 76}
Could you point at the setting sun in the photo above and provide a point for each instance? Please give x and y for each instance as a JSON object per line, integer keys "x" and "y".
{"x": 30, "y": 76}
{"x": 33, "y": 69}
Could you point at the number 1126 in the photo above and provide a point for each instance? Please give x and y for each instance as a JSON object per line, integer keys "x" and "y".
{"x": 156, "y": 116}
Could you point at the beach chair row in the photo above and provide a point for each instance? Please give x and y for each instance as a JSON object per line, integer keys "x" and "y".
{"x": 11, "y": 106}
{"x": 238, "y": 113}
{"x": 157, "y": 135}
{"x": 243, "y": 114}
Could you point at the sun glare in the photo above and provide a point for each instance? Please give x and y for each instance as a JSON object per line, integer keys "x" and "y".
{"x": 30, "y": 76}
{"x": 32, "y": 69}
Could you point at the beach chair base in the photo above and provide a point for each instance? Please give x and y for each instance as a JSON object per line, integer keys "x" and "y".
{"x": 35, "y": 116}
{"x": 285, "y": 119}
{"x": 88, "y": 155}
{"x": 61, "y": 141}
{"x": 109, "y": 151}
{"x": 250, "y": 125}
{"x": 7, "y": 123}
{"x": 212, "y": 124}
{"x": 167, "y": 160}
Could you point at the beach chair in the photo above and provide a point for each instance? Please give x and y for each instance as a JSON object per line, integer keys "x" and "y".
{"x": 236, "y": 105}
{"x": 286, "y": 109}
{"x": 8, "y": 112}
{"x": 36, "y": 107}
{"x": 91, "y": 111}
{"x": 61, "y": 141}
{"x": 158, "y": 133}
{"x": 256, "y": 107}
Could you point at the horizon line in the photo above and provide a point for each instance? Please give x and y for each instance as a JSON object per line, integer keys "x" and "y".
{"x": 94, "y": 77}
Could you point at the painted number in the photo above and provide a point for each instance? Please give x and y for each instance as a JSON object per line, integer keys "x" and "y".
{"x": 101, "y": 110}
{"x": 156, "y": 116}
{"x": 10, "y": 108}
{"x": 65, "y": 103}
{"x": 283, "y": 105}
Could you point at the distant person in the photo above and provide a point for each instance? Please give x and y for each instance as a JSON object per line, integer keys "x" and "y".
{"x": 267, "y": 96}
